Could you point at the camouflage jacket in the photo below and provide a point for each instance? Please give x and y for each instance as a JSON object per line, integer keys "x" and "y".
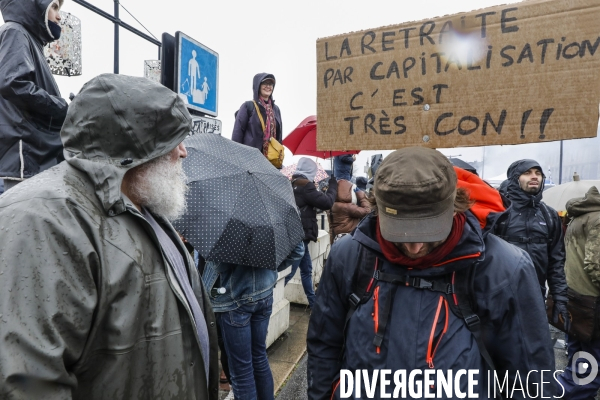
{"x": 582, "y": 242}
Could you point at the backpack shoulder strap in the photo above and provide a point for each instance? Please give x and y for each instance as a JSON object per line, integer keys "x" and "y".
{"x": 363, "y": 280}
{"x": 249, "y": 107}
{"x": 463, "y": 305}
{"x": 549, "y": 220}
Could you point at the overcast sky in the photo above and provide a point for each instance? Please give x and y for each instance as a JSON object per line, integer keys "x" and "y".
{"x": 278, "y": 37}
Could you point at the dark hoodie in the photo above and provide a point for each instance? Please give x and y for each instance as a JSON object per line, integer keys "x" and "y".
{"x": 248, "y": 129}
{"x": 31, "y": 109}
{"x": 526, "y": 224}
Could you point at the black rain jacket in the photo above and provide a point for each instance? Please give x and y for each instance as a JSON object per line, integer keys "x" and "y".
{"x": 31, "y": 109}
{"x": 525, "y": 225}
{"x": 308, "y": 198}
{"x": 514, "y": 325}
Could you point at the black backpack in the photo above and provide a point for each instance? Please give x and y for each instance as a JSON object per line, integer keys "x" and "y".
{"x": 457, "y": 288}
{"x": 249, "y": 109}
{"x": 550, "y": 223}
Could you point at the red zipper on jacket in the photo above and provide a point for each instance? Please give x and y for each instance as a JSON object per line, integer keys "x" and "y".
{"x": 431, "y": 349}
{"x": 458, "y": 258}
{"x": 454, "y": 294}
{"x": 373, "y": 277}
{"x": 376, "y": 312}
{"x": 334, "y": 389}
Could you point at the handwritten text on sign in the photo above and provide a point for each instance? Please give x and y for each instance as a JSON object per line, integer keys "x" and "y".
{"x": 528, "y": 72}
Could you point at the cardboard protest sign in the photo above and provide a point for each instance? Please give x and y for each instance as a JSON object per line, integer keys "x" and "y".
{"x": 519, "y": 73}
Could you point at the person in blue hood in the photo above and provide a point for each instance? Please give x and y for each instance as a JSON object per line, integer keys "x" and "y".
{"x": 248, "y": 128}
{"x": 32, "y": 111}
{"x": 536, "y": 228}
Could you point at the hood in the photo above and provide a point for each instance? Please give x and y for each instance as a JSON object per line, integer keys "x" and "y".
{"x": 344, "y": 191}
{"x": 258, "y": 78}
{"x": 116, "y": 123}
{"x": 583, "y": 205}
{"x": 31, "y": 14}
{"x": 307, "y": 167}
{"x": 361, "y": 183}
{"x": 513, "y": 190}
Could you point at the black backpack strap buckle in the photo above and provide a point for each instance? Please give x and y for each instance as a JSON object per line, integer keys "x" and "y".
{"x": 420, "y": 283}
{"x": 354, "y": 300}
{"x": 472, "y": 320}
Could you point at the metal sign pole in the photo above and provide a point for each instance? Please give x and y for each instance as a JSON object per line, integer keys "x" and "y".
{"x": 116, "y": 57}
{"x": 118, "y": 23}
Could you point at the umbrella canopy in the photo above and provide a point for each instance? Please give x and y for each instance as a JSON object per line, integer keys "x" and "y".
{"x": 241, "y": 209}
{"x": 303, "y": 141}
{"x": 290, "y": 169}
{"x": 457, "y": 162}
{"x": 557, "y": 196}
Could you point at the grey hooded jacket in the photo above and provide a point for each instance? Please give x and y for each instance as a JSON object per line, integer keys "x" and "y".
{"x": 31, "y": 109}
{"x": 89, "y": 307}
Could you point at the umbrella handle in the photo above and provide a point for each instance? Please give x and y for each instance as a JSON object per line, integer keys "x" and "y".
{"x": 332, "y": 170}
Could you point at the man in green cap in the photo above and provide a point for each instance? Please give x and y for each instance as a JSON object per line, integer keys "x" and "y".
{"x": 418, "y": 287}
{"x": 98, "y": 297}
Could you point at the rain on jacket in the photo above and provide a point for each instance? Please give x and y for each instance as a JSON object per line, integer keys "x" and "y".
{"x": 525, "y": 219}
{"x": 346, "y": 215}
{"x": 308, "y": 198}
{"x": 31, "y": 108}
{"x": 514, "y": 325}
{"x": 89, "y": 307}
{"x": 247, "y": 128}
{"x": 582, "y": 243}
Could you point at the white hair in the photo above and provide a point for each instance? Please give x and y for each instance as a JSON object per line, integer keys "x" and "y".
{"x": 160, "y": 186}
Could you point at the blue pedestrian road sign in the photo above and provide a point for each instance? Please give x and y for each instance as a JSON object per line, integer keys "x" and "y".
{"x": 197, "y": 70}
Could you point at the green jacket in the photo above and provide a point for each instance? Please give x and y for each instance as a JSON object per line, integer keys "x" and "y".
{"x": 89, "y": 307}
{"x": 582, "y": 243}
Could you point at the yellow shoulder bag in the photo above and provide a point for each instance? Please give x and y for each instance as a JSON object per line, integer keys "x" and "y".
{"x": 275, "y": 152}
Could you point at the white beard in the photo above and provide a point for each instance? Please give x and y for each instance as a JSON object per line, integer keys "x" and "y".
{"x": 160, "y": 186}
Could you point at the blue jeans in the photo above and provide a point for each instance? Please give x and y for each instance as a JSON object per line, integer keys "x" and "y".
{"x": 244, "y": 333}
{"x": 305, "y": 265}
{"x": 572, "y": 390}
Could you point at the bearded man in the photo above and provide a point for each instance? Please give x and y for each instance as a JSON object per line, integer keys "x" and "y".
{"x": 98, "y": 297}
{"x": 535, "y": 227}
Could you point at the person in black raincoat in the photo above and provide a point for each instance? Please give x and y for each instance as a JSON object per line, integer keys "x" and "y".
{"x": 308, "y": 199}
{"x": 536, "y": 228}
{"x": 31, "y": 108}
{"x": 421, "y": 231}
{"x": 248, "y": 128}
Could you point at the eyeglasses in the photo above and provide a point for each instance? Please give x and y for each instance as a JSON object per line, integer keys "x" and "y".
{"x": 267, "y": 84}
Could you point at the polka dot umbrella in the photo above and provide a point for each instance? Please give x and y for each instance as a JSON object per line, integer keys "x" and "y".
{"x": 241, "y": 209}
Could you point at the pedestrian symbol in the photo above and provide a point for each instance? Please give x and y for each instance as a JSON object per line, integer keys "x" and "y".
{"x": 197, "y": 75}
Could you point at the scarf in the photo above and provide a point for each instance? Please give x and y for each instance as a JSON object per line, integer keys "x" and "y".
{"x": 395, "y": 256}
{"x": 270, "y": 126}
